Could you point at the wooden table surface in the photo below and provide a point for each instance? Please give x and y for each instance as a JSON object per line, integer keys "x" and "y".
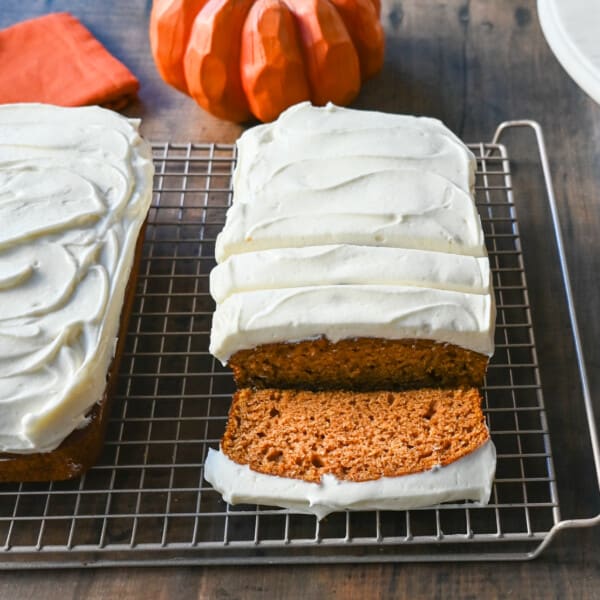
{"x": 473, "y": 64}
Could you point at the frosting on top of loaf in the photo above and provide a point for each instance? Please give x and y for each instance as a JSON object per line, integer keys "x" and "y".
{"x": 338, "y": 312}
{"x": 350, "y": 223}
{"x": 75, "y": 187}
{"x": 316, "y": 147}
{"x": 344, "y": 264}
{"x": 336, "y": 175}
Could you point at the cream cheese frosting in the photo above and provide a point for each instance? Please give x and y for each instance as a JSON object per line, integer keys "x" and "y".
{"x": 348, "y": 224}
{"x": 343, "y": 264}
{"x": 469, "y": 478}
{"x": 251, "y": 319}
{"x": 336, "y": 175}
{"x": 311, "y": 147}
{"x": 75, "y": 187}
{"x": 402, "y": 207}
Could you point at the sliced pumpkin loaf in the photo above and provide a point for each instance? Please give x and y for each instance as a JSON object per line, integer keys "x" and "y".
{"x": 331, "y": 450}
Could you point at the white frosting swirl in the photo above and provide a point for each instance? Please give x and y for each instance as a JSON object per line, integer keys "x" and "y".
{"x": 348, "y": 264}
{"x": 349, "y": 224}
{"x": 401, "y": 207}
{"x": 468, "y": 478}
{"x": 318, "y": 147}
{"x": 340, "y": 312}
{"x": 75, "y": 187}
{"x": 335, "y": 175}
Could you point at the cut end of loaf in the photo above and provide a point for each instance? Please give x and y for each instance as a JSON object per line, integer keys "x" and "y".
{"x": 354, "y": 436}
{"x": 359, "y": 364}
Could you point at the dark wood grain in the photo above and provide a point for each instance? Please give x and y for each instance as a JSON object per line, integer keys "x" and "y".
{"x": 472, "y": 64}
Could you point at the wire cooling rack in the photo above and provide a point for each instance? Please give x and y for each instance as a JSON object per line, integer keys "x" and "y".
{"x": 146, "y": 501}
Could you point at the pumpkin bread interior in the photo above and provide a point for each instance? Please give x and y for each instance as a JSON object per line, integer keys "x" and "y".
{"x": 354, "y": 436}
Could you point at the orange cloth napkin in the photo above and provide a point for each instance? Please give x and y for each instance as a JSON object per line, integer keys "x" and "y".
{"x": 56, "y": 60}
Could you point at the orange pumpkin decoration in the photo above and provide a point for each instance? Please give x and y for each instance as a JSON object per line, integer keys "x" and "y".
{"x": 243, "y": 57}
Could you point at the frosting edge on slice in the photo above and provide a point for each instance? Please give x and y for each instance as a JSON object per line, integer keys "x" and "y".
{"x": 469, "y": 478}
{"x": 250, "y": 319}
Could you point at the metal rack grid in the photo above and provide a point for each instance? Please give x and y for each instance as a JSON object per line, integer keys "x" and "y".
{"x": 146, "y": 501}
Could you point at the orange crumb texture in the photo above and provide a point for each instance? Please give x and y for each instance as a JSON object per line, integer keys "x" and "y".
{"x": 355, "y": 436}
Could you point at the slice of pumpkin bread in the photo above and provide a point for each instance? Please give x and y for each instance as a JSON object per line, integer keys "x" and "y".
{"x": 320, "y": 452}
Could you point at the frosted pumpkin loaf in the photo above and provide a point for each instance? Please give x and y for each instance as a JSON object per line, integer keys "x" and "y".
{"x": 319, "y": 452}
{"x": 352, "y": 256}
{"x": 75, "y": 188}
